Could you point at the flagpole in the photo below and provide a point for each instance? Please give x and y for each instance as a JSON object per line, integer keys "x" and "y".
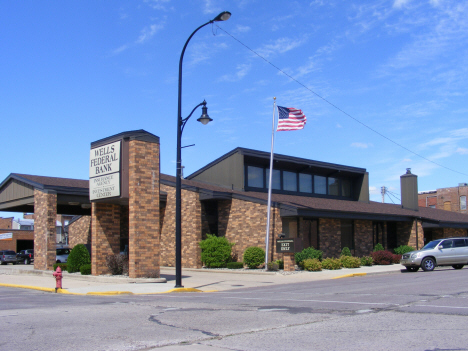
{"x": 267, "y": 237}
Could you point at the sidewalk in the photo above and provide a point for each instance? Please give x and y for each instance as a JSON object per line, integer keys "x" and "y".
{"x": 193, "y": 280}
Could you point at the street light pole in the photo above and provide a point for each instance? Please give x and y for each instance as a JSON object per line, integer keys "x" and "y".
{"x": 223, "y": 16}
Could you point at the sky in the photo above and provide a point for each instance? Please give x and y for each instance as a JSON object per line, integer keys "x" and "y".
{"x": 383, "y": 83}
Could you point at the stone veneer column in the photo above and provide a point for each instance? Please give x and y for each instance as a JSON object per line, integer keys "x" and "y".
{"x": 105, "y": 235}
{"x": 45, "y": 234}
{"x": 143, "y": 209}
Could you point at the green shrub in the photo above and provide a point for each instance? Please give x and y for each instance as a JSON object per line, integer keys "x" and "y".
{"x": 331, "y": 263}
{"x": 346, "y": 252}
{"x": 117, "y": 264}
{"x": 312, "y": 264}
{"x": 382, "y": 257}
{"x": 308, "y": 252}
{"x": 78, "y": 257}
{"x": 350, "y": 262}
{"x": 254, "y": 257}
{"x": 367, "y": 261}
{"x": 235, "y": 265}
{"x": 216, "y": 251}
{"x": 378, "y": 247}
{"x": 400, "y": 250}
{"x": 85, "y": 269}
{"x": 63, "y": 266}
{"x": 273, "y": 266}
{"x": 280, "y": 264}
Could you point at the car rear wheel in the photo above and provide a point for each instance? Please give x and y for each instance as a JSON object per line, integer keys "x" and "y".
{"x": 458, "y": 266}
{"x": 412, "y": 269}
{"x": 428, "y": 264}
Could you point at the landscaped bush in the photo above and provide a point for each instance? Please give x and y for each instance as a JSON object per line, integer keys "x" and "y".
{"x": 63, "y": 266}
{"x": 312, "y": 264}
{"x": 367, "y": 261}
{"x": 216, "y": 251}
{"x": 331, "y": 263}
{"x": 254, "y": 257}
{"x": 350, "y": 262}
{"x": 400, "y": 250}
{"x": 273, "y": 266}
{"x": 235, "y": 265}
{"x": 117, "y": 264}
{"x": 396, "y": 258}
{"x": 378, "y": 247}
{"x": 382, "y": 257}
{"x": 346, "y": 252}
{"x": 85, "y": 269}
{"x": 79, "y": 256}
{"x": 280, "y": 264}
{"x": 308, "y": 252}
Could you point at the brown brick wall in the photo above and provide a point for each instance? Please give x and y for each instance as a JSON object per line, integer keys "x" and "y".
{"x": 330, "y": 237}
{"x": 79, "y": 232}
{"x": 143, "y": 209}
{"x": 454, "y": 232}
{"x": 363, "y": 238}
{"x": 17, "y": 235}
{"x": 45, "y": 209}
{"x": 6, "y": 223}
{"x": 105, "y": 235}
{"x": 406, "y": 234}
{"x": 191, "y": 229}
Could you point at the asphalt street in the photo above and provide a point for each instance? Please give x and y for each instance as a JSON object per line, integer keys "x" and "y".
{"x": 406, "y": 311}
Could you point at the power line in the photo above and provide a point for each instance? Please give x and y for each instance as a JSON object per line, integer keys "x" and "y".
{"x": 336, "y": 107}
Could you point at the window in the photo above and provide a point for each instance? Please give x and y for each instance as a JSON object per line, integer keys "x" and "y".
{"x": 275, "y": 180}
{"x": 347, "y": 234}
{"x": 346, "y": 187}
{"x": 463, "y": 202}
{"x": 333, "y": 186}
{"x": 305, "y": 183}
{"x": 255, "y": 177}
{"x": 289, "y": 181}
{"x": 320, "y": 185}
{"x": 459, "y": 243}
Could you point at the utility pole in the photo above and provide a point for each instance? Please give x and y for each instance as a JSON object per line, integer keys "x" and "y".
{"x": 383, "y": 191}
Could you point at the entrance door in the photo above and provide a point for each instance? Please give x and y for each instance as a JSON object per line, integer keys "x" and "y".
{"x": 310, "y": 233}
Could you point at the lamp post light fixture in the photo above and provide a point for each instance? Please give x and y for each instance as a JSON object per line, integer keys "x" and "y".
{"x": 223, "y": 16}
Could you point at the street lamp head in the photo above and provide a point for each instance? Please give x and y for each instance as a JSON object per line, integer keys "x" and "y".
{"x": 223, "y": 16}
{"x": 204, "y": 119}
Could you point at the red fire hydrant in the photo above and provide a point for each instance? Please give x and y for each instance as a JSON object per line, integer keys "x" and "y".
{"x": 58, "y": 278}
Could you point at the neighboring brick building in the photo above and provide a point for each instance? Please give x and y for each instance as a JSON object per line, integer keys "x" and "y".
{"x": 448, "y": 199}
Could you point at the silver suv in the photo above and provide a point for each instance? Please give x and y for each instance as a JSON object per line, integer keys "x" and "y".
{"x": 442, "y": 252}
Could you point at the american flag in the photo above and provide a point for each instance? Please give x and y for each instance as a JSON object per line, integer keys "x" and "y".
{"x": 290, "y": 118}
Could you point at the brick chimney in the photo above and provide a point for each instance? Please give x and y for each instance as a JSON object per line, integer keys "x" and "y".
{"x": 409, "y": 191}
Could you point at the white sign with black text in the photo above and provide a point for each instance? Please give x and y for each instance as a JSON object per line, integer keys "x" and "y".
{"x": 104, "y": 171}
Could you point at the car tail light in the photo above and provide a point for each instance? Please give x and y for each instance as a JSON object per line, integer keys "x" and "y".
{"x": 29, "y": 255}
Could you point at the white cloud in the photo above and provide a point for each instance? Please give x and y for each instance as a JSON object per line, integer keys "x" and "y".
{"x": 400, "y": 3}
{"x": 242, "y": 70}
{"x": 148, "y": 32}
{"x": 209, "y": 7}
{"x": 120, "y": 49}
{"x": 462, "y": 151}
{"x": 242, "y": 29}
{"x": 361, "y": 145}
{"x": 159, "y": 4}
{"x": 280, "y": 46}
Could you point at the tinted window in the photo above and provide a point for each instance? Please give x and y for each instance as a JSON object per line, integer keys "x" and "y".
{"x": 320, "y": 185}
{"x": 458, "y": 243}
{"x": 10, "y": 253}
{"x": 346, "y": 187}
{"x": 333, "y": 186}
{"x": 447, "y": 244}
{"x": 463, "y": 202}
{"x": 289, "y": 181}
{"x": 275, "y": 180}
{"x": 305, "y": 183}
{"x": 255, "y": 177}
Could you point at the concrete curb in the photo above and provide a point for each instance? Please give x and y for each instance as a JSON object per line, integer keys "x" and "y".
{"x": 350, "y": 275}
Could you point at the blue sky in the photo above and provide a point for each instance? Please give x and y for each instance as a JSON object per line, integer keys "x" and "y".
{"x": 77, "y": 71}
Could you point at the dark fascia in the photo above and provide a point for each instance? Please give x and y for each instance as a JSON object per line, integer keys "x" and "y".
{"x": 281, "y": 158}
{"x": 440, "y": 224}
{"x": 140, "y": 134}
